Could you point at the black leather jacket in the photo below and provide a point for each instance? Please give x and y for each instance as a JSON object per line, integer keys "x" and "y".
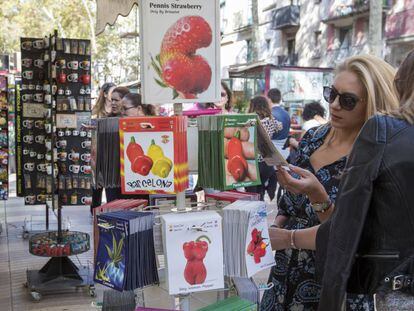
{"x": 372, "y": 228}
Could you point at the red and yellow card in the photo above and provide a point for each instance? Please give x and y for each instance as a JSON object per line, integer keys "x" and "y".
{"x": 153, "y": 154}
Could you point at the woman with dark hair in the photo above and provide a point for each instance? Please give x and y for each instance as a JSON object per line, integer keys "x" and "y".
{"x": 225, "y": 103}
{"x": 313, "y": 115}
{"x": 131, "y": 106}
{"x": 260, "y": 106}
{"x": 116, "y": 97}
{"x": 103, "y": 104}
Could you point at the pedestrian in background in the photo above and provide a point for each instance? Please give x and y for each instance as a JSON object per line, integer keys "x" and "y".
{"x": 313, "y": 115}
{"x": 103, "y": 104}
{"x": 132, "y": 106}
{"x": 260, "y": 106}
{"x": 116, "y": 97}
{"x": 280, "y": 114}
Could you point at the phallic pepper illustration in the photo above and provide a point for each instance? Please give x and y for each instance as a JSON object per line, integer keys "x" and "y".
{"x": 140, "y": 163}
{"x": 162, "y": 165}
{"x": 257, "y": 247}
{"x": 237, "y": 164}
{"x": 134, "y": 150}
{"x": 195, "y": 271}
{"x": 178, "y": 66}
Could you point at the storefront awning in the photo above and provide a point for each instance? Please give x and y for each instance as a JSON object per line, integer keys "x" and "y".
{"x": 109, "y": 10}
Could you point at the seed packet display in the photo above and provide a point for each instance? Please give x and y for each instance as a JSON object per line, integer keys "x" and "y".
{"x": 165, "y": 199}
{"x": 4, "y": 139}
{"x": 193, "y": 252}
{"x": 153, "y": 155}
{"x": 247, "y": 248}
{"x": 228, "y": 150}
{"x": 116, "y": 205}
{"x": 126, "y": 255}
{"x": 226, "y": 197}
{"x": 33, "y": 122}
{"x": 233, "y": 303}
{"x": 72, "y": 94}
{"x": 107, "y": 166}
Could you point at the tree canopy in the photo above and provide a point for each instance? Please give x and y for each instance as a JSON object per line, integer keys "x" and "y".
{"x": 115, "y": 58}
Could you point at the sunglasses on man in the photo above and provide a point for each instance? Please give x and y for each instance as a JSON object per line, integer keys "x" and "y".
{"x": 347, "y": 101}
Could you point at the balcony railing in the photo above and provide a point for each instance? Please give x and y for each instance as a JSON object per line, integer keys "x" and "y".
{"x": 286, "y": 17}
{"x": 350, "y": 8}
{"x": 288, "y": 60}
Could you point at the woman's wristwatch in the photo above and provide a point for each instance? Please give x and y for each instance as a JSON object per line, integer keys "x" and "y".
{"x": 321, "y": 207}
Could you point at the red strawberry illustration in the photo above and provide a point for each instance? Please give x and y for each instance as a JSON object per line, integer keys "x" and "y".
{"x": 177, "y": 65}
{"x": 187, "y": 35}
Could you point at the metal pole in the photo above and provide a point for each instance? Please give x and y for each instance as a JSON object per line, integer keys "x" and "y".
{"x": 54, "y": 203}
{"x": 181, "y": 302}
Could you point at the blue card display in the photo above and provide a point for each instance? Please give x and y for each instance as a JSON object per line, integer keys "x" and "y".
{"x": 125, "y": 258}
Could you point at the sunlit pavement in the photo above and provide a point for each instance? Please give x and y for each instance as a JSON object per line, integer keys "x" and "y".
{"x": 15, "y": 259}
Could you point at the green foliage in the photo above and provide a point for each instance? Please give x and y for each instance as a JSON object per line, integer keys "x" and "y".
{"x": 114, "y": 58}
{"x": 241, "y": 105}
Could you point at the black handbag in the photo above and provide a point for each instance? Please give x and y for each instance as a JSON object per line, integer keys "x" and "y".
{"x": 396, "y": 291}
{"x": 400, "y": 279}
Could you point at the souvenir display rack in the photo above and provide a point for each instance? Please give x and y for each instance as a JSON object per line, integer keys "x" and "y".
{"x": 54, "y": 118}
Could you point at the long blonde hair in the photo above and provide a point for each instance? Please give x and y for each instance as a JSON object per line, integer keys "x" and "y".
{"x": 404, "y": 83}
{"x": 377, "y": 76}
{"x": 98, "y": 110}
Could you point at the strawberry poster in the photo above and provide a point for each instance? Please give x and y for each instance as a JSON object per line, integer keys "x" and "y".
{"x": 259, "y": 255}
{"x": 180, "y": 51}
{"x": 193, "y": 247}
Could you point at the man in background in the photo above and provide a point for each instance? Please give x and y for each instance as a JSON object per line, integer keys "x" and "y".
{"x": 281, "y": 115}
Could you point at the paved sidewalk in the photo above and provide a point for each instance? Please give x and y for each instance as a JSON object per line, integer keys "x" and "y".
{"x": 15, "y": 259}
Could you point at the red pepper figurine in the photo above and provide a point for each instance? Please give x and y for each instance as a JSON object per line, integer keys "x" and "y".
{"x": 237, "y": 164}
{"x": 195, "y": 251}
{"x": 134, "y": 150}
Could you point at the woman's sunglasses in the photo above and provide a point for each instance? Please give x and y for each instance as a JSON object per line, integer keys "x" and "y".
{"x": 347, "y": 101}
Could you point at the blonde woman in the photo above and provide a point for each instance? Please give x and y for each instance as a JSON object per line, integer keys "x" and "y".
{"x": 363, "y": 85}
{"x": 103, "y": 104}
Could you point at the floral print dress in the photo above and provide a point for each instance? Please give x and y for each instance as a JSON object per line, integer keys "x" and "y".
{"x": 295, "y": 287}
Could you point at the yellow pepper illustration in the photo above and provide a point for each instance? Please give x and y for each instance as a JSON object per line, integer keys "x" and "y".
{"x": 162, "y": 165}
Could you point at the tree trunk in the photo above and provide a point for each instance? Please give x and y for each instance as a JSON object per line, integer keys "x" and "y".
{"x": 91, "y": 26}
{"x": 375, "y": 27}
{"x": 255, "y": 31}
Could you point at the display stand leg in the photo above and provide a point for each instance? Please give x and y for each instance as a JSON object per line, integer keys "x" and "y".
{"x": 47, "y": 217}
{"x": 182, "y": 302}
{"x": 60, "y": 267}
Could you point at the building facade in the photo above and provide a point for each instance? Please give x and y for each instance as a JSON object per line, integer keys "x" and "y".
{"x": 308, "y": 33}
